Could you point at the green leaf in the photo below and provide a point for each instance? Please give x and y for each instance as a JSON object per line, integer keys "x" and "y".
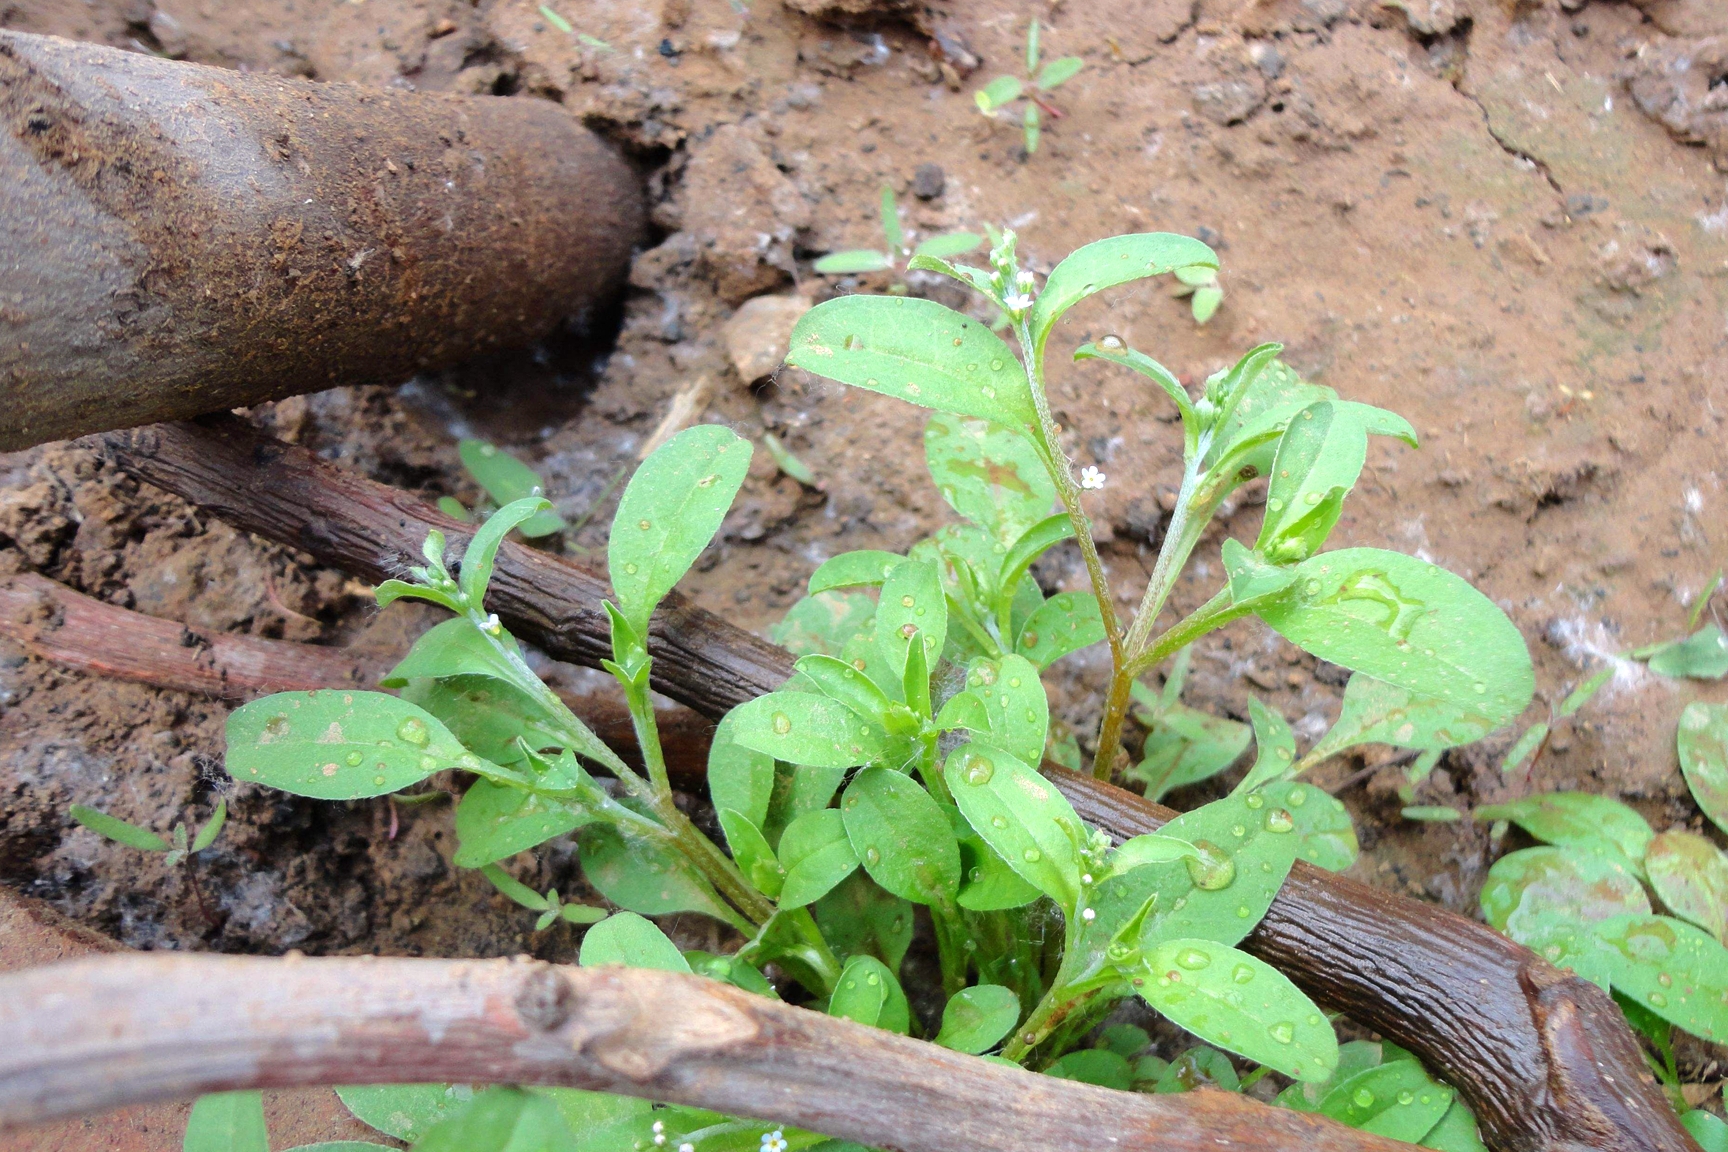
{"x": 976, "y": 1019}
{"x": 1094, "y": 1066}
{"x": 1263, "y": 395}
{"x": 1205, "y": 302}
{"x": 1690, "y": 874}
{"x": 341, "y": 1146}
{"x": 1000, "y": 91}
{"x": 117, "y": 829}
{"x": 1126, "y": 1040}
{"x": 739, "y": 778}
{"x": 751, "y": 851}
{"x": 506, "y": 479}
{"x": 486, "y": 715}
{"x": 1581, "y": 695}
{"x": 1703, "y": 743}
{"x": 669, "y": 512}
{"x": 501, "y": 1120}
{"x": 790, "y": 464}
{"x": 912, "y": 600}
{"x": 1707, "y": 1128}
{"x": 339, "y": 745}
{"x": 1456, "y": 1131}
{"x": 1409, "y": 623}
{"x": 1581, "y": 818}
{"x": 646, "y": 877}
{"x": 988, "y": 884}
{"x": 902, "y": 836}
{"x": 841, "y": 682}
{"x": 868, "y": 993}
{"x": 405, "y": 1111}
{"x": 1015, "y": 704}
{"x": 1319, "y": 458}
{"x": 1198, "y": 1067}
{"x": 1397, "y": 1100}
{"x": 948, "y": 244}
{"x": 1326, "y": 838}
{"x": 494, "y": 822}
{"x": 864, "y": 568}
{"x": 1020, "y": 815}
{"x": 731, "y": 970}
{"x": 482, "y": 551}
{"x": 1241, "y": 1004}
{"x": 803, "y": 728}
{"x": 853, "y": 260}
{"x": 990, "y": 474}
{"x": 453, "y": 508}
{"x": 1036, "y": 541}
{"x": 891, "y": 221}
{"x": 1067, "y": 622}
{"x": 1353, "y": 1056}
{"x": 1032, "y": 47}
{"x": 1185, "y": 746}
{"x": 917, "y": 350}
{"x": 1524, "y": 748}
{"x": 1670, "y": 968}
{"x": 1564, "y": 943}
{"x": 514, "y": 888}
{"x": 1375, "y": 712}
{"x": 628, "y": 939}
{"x": 212, "y": 827}
{"x": 1107, "y": 263}
{"x": 1701, "y": 656}
{"x": 1059, "y": 72}
{"x": 1275, "y": 747}
{"x": 227, "y": 1122}
{"x": 858, "y": 917}
{"x": 1252, "y": 580}
{"x": 799, "y": 790}
{"x": 1570, "y": 882}
{"x": 1150, "y": 848}
{"x": 1248, "y": 844}
{"x": 817, "y": 854}
{"x": 595, "y": 1114}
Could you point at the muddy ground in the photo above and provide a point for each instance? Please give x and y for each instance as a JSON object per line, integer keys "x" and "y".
{"x": 1509, "y": 222}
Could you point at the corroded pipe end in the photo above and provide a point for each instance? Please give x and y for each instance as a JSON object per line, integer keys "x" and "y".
{"x": 178, "y": 239}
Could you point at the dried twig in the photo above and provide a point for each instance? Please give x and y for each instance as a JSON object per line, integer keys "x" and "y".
{"x": 1544, "y": 1058}
{"x": 101, "y": 1034}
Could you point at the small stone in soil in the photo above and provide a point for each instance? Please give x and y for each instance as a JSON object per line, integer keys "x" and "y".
{"x": 928, "y": 181}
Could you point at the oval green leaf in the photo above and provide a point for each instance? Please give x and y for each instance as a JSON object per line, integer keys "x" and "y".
{"x": 1067, "y": 622}
{"x": 902, "y": 836}
{"x": 1107, "y": 263}
{"x": 990, "y": 474}
{"x": 506, "y": 479}
{"x": 1599, "y": 823}
{"x": 1690, "y": 874}
{"x": 1570, "y": 882}
{"x": 646, "y": 877}
{"x": 1020, "y": 815}
{"x": 1703, "y": 744}
{"x": 817, "y": 854}
{"x": 803, "y": 728}
{"x": 976, "y": 1019}
{"x": 912, "y": 601}
{"x": 495, "y": 821}
{"x": 868, "y": 993}
{"x": 628, "y": 939}
{"x": 1670, "y": 968}
{"x": 1397, "y": 1100}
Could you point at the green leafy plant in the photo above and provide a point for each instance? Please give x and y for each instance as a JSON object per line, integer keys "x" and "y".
{"x": 898, "y": 768}
{"x": 176, "y": 849}
{"x": 1204, "y": 292}
{"x": 898, "y": 252}
{"x": 1004, "y": 91}
{"x": 505, "y": 479}
{"x": 1584, "y": 898}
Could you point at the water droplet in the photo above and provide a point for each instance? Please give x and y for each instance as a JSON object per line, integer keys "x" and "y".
{"x": 1363, "y": 1098}
{"x": 872, "y": 979}
{"x": 1243, "y": 974}
{"x": 1214, "y": 870}
{"x": 1312, "y": 587}
{"x": 906, "y": 601}
{"x": 1238, "y": 830}
{"x": 995, "y": 365}
{"x": 998, "y": 821}
{"x": 354, "y": 759}
{"x": 1658, "y": 1000}
{"x": 630, "y": 568}
{"x": 276, "y": 727}
{"x": 644, "y": 524}
{"x": 1032, "y": 855}
{"x": 1480, "y": 688}
{"x": 413, "y": 730}
{"x": 907, "y": 630}
{"x": 782, "y": 723}
{"x": 378, "y": 781}
{"x": 872, "y": 857}
{"x": 852, "y": 343}
{"x": 1112, "y": 343}
{"x": 1298, "y": 797}
{"x": 1278, "y": 820}
{"x": 1665, "y": 980}
{"x": 1193, "y": 959}
{"x": 1283, "y": 1031}
{"x": 1255, "y": 800}
{"x": 1406, "y": 1097}
{"x": 707, "y": 481}
{"x": 979, "y": 769}
{"x": 1243, "y": 911}
{"x": 1311, "y": 498}
{"x": 428, "y": 763}
{"x": 1274, "y": 505}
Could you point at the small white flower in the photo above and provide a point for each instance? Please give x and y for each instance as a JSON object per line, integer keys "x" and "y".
{"x": 686, "y": 1147}
{"x": 1089, "y": 915}
{"x": 1026, "y": 281}
{"x": 774, "y": 1141}
{"x": 1019, "y": 302}
{"x": 659, "y": 1127}
{"x": 1091, "y": 479}
{"x": 493, "y": 625}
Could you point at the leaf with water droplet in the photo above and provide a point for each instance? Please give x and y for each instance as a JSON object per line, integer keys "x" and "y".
{"x": 916, "y": 350}
{"x": 1703, "y": 743}
{"x": 1580, "y": 885}
{"x": 866, "y": 568}
{"x": 1326, "y": 836}
{"x": 681, "y": 493}
{"x": 990, "y": 474}
{"x": 987, "y": 883}
{"x": 1033, "y": 543}
{"x": 1700, "y": 656}
{"x": 1673, "y": 969}
{"x": 1098, "y": 1066}
{"x": 902, "y": 835}
{"x": 739, "y": 778}
{"x": 1456, "y": 1131}
{"x": 1583, "y": 819}
{"x": 868, "y": 993}
{"x": 912, "y": 601}
{"x": 825, "y": 622}
{"x": 1690, "y": 874}
{"x": 1183, "y": 745}
{"x": 977, "y": 1018}
{"x": 1412, "y": 624}
{"x": 494, "y": 822}
{"x": 506, "y": 479}
{"x": 1031, "y": 825}
{"x": 1318, "y": 460}
{"x": 1066, "y": 622}
{"x": 858, "y": 917}
{"x": 1268, "y": 1019}
{"x": 1397, "y": 1100}
{"x": 803, "y": 728}
{"x": 1260, "y": 859}
{"x": 840, "y": 681}
{"x": 1707, "y": 1128}
{"x": 1106, "y": 263}
{"x": 405, "y": 1111}
{"x": 1014, "y": 701}
{"x": 648, "y": 876}
{"x": 307, "y": 752}
{"x": 817, "y": 855}
{"x": 628, "y": 939}
{"x": 487, "y": 716}
{"x": 1201, "y": 1066}
{"x": 1375, "y": 712}
{"x": 751, "y": 851}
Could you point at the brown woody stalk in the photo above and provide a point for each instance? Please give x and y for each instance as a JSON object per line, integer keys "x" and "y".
{"x": 101, "y": 1034}
{"x": 1544, "y": 1058}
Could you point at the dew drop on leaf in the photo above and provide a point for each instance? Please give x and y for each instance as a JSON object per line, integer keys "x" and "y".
{"x": 998, "y": 821}
{"x": 1283, "y": 1032}
{"x": 1243, "y": 974}
{"x": 1278, "y": 820}
{"x": 979, "y": 769}
{"x": 872, "y": 856}
{"x": 782, "y": 723}
{"x": 1193, "y": 959}
{"x": 413, "y": 730}
{"x": 1032, "y": 855}
{"x": 354, "y": 758}
{"x": 1255, "y": 800}
{"x": 277, "y": 727}
{"x": 1363, "y": 1098}
{"x": 1406, "y": 1097}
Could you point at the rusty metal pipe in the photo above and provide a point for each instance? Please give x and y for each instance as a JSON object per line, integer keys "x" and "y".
{"x": 177, "y": 239}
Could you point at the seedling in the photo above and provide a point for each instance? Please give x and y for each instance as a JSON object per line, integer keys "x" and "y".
{"x": 895, "y": 255}
{"x": 505, "y": 479}
{"x": 1201, "y": 287}
{"x": 1004, "y": 91}
{"x": 899, "y": 766}
{"x": 176, "y": 849}
{"x": 550, "y": 907}
{"x": 789, "y": 464}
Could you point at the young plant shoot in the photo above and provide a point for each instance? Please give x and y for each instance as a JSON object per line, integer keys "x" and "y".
{"x": 856, "y": 260}
{"x": 899, "y": 767}
{"x": 1005, "y": 91}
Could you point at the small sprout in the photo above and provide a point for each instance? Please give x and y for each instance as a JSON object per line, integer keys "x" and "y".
{"x": 1005, "y": 90}
{"x": 1201, "y": 285}
{"x": 556, "y": 20}
{"x": 550, "y": 907}
{"x": 790, "y": 464}
{"x": 854, "y": 261}
{"x": 176, "y": 849}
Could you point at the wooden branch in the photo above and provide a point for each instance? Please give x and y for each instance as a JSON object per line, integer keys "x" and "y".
{"x": 1545, "y": 1059}
{"x": 100, "y": 1034}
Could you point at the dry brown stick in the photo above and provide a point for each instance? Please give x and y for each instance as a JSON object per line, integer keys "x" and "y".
{"x": 100, "y": 1034}
{"x": 1544, "y": 1058}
